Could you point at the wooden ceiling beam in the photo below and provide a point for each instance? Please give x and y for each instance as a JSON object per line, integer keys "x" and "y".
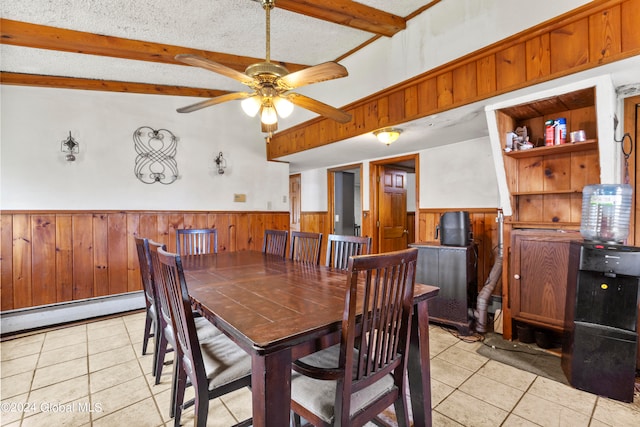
{"x": 21, "y": 79}
{"x": 44, "y": 37}
{"x": 347, "y": 13}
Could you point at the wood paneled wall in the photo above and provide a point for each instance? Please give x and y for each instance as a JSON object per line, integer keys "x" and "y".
{"x": 54, "y": 257}
{"x": 485, "y": 234}
{"x": 483, "y": 223}
{"x": 600, "y": 32}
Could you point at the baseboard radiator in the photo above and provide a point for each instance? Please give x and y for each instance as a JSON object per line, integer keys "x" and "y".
{"x": 22, "y": 320}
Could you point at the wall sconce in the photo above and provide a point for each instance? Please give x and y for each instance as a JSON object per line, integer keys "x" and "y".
{"x": 221, "y": 163}
{"x": 71, "y": 147}
{"x": 387, "y": 135}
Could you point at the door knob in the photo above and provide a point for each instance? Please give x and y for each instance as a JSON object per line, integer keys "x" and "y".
{"x": 516, "y": 276}
{"x": 405, "y": 231}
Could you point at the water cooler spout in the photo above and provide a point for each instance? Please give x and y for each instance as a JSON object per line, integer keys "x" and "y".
{"x": 482, "y": 302}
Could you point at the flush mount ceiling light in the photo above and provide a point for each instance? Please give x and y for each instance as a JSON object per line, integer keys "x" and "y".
{"x": 387, "y": 135}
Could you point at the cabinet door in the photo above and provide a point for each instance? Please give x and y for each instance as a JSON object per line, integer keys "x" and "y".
{"x": 539, "y": 282}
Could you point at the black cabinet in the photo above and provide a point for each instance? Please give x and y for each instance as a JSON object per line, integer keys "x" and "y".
{"x": 453, "y": 270}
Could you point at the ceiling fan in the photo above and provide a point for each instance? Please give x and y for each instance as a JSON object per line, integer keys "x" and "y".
{"x": 271, "y": 85}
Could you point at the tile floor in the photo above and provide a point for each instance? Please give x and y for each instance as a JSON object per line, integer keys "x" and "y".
{"x": 94, "y": 375}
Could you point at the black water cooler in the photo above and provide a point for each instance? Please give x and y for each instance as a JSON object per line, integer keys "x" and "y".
{"x": 601, "y": 338}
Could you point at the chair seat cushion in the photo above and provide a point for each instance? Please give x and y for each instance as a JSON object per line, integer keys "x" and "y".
{"x": 319, "y": 396}
{"x": 224, "y": 360}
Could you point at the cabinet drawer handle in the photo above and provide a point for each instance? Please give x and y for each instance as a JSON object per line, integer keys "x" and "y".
{"x": 516, "y": 276}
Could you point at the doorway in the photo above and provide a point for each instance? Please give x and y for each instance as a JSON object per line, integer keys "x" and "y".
{"x": 394, "y": 202}
{"x": 345, "y": 200}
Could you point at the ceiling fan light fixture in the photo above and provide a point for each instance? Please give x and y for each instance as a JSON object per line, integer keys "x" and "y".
{"x": 283, "y": 106}
{"x": 251, "y": 105}
{"x": 387, "y": 135}
{"x": 268, "y": 115}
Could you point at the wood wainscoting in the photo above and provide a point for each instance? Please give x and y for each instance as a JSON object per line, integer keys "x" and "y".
{"x": 485, "y": 234}
{"x": 49, "y": 257}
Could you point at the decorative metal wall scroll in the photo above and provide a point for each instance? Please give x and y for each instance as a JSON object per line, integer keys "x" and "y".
{"x": 71, "y": 147}
{"x": 156, "y": 150}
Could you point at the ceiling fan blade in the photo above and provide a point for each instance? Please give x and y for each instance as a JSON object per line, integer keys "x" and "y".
{"x": 317, "y": 73}
{"x": 213, "y": 101}
{"x": 319, "y": 107}
{"x": 207, "y": 64}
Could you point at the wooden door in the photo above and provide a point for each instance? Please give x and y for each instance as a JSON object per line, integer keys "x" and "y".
{"x": 392, "y": 208}
{"x": 295, "y": 204}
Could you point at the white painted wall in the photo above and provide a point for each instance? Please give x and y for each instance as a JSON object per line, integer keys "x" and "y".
{"x": 34, "y": 174}
{"x": 459, "y": 175}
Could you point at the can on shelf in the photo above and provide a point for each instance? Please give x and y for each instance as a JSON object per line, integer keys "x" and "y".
{"x": 560, "y": 131}
{"x": 549, "y": 132}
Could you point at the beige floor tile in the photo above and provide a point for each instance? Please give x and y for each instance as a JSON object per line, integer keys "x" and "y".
{"x": 465, "y": 359}
{"x": 218, "y": 416}
{"x": 108, "y": 343}
{"x": 469, "y": 345}
{"x": 106, "y": 323}
{"x": 59, "y": 372}
{"x": 17, "y": 366}
{"x": 163, "y": 400}
{"x": 146, "y": 362}
{"x": 516, "y": 421}
{"x": 565, "y": 395}
{"x": 107, "y": 331}
{"x": 67, "y": 331}
{"x": 62, "y": 392}
{"x": 238, "y": 403}
{"x": 616, "y": 414}
{"x": 15, "y": 384}
{"x": 15, "y": 349}
{"x": 14, "y": 407}
{"x": 114, "y": 375}
{"x": 507, "y": 375}
{"x": 457, "y": 407}
{"x": 448, "y": 373}
{"x": 120, "y": 396}
{"x": 142, "y": 414}
{"x": 62, "y": 354}
{"x": 73, "y": 414}
{"x": 57, "y": 341}
{"x": 109, "y": 358}
{"x": 436, "y": 347}
{"x": 493, "y": 392}
{"x": 439, "y": 420}
{"x": 547, "y": 413}
{"x": 439, "y": 392}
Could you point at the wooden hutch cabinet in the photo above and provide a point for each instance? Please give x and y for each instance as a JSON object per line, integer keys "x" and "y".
{"x": 543, "y": 186}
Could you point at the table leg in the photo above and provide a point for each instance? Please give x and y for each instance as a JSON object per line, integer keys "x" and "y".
{"x": 419, "y": 370}
{"x": 271, "y": 389}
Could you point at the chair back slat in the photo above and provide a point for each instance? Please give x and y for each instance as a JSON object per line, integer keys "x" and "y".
{"x": 161, "y": 294}
{"x": 340, "y": 248}
{"x": 305, "y": 247}
{"x": 173, "y": 282}
{"x": 196, "y": 241}
{"x": 275, "y": 242}
{"x": 146, "y": 273}
{"x": 388, "y": 282}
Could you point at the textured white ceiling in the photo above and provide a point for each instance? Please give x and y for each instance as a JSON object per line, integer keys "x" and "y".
{"x": 229, "y": 26}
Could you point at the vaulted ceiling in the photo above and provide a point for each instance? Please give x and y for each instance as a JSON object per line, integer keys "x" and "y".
{"x": 130, "y": 46}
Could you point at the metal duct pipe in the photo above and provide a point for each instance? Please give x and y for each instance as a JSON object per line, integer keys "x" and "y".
{"x": 482, "y": 302}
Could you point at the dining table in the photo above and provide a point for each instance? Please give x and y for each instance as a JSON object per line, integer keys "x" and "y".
{"x": 279, "y": 310}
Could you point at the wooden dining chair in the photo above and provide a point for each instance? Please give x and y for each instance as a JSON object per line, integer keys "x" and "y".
{"x": 275, "y": 242}
{"x": 340, "y": 248}
{"x": 350, "y": 383}
{"x": 214, "y": 366}
{"x": 305, "y": 247}
{"x": 196, "y": 241}
{"x": 165, "y": 340}
{"x": 151, "y": 324}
